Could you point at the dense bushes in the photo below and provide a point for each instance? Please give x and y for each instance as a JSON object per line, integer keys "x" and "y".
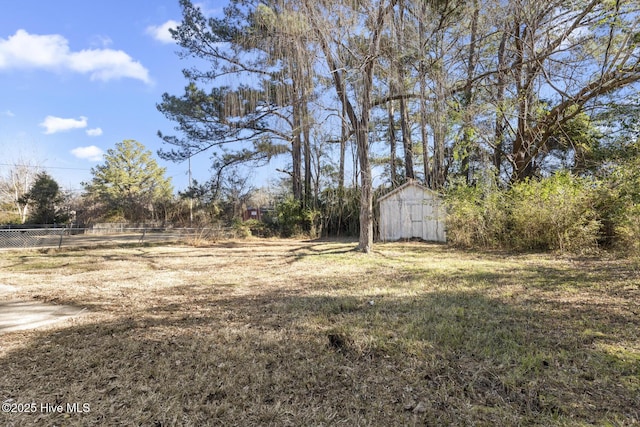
{"x": 562, "y": 212}
{"x": 292, "y": 219}
{"x": 619, "y": 206}
{"x": 340, "y": 211}
{"x": 554, "y": 214}
{"x": 476, "y": 217}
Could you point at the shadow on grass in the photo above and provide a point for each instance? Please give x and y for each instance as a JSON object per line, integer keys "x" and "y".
{"x": 319, "y": 249}
{"x": 268, "y": 358}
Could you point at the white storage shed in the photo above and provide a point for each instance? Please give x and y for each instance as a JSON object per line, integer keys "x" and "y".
{"x": 412, "y": 210}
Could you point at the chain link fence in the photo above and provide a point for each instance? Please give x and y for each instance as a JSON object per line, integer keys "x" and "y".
{"x": 31, "y": 238}
{"x": 87, "y": 237}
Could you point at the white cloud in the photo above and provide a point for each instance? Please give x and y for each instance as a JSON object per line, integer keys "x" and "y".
{"x": 7, "y": 113}
{"x": 107, "y": 64}
{"x": 58, "y": 124}
{"x": 161, "y": 32}
{"x": 94, "y": 132}
{"x": 91, "y": 153}
{"x": 101, "y": 41}
{"x": 51, "y": 52}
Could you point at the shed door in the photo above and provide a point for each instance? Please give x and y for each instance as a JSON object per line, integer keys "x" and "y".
{"x": 416, "y": 219}
{"x": 434, "y": 228}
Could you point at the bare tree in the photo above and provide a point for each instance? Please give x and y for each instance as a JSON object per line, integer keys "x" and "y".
{"x": 400, "y": 62}
{"x": 349, "y": 32}
{"x": 16, "y": 183}
{"x": 574, "y": 54}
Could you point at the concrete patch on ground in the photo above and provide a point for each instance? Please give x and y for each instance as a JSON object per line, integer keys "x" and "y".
{"x": 22, "y": 315}
{"x": 7, "y": 288}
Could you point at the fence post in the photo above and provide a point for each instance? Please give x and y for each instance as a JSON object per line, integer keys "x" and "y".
{"x": 144, "y": 231}
{"x": 61, "y": 234}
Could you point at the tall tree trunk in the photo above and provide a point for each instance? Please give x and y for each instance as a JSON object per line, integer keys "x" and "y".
{"x": 438, "y": 116}
{"x": 392, "y": 144}
{"x": 302, "y": 73}
{"x": 439, "y": 134}
{"x": 296, "y": 155}
{"x": 500, "y": 122}
{"x": 359, "y": 120}
{"x": 344, "y": 134}
{"x": 428, "y": 178}
{"x": 406, "y": 139}
{"x": 439, "y": 131}
{"x": 522, "y": 166}
{"x": 365, "y": 243}
{"x": 399, "y": 87}
{"x": 467, "y": 144}
{"x": 307, "y": 152}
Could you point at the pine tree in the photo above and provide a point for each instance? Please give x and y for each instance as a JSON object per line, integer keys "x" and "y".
{"x": 130, "y": 182}
{"x": 46, "y": 200}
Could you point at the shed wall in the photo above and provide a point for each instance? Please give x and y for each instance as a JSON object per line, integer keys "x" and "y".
{"x": 412, "y": 212}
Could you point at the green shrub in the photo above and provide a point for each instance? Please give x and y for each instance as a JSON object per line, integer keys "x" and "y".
{"x": 627, "y": 231}
{"x": 240, "y": 229}
{"x": 113, "y": 216}
{"x": 619, "y": 207}
{"x": 9, "y": 218}
{"x": 259, "y": 228}
{"x": 477, "y": 217}
{"x": 293, "y": 220}
{"x": 554, "y": 213}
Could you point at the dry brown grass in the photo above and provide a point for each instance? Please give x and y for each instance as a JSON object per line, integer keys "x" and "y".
{"x": 282, "y": 332}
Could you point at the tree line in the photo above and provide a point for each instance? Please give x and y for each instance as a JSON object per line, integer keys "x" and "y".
{"x": 507, "y": 107}
{"x": 127, "y": 186}
{"x": 441, "y": 91}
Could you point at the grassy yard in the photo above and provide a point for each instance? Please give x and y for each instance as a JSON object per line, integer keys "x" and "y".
{"x": 283, "y": 332}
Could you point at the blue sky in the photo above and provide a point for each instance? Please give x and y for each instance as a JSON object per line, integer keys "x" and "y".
{"x": 76, "y": 77}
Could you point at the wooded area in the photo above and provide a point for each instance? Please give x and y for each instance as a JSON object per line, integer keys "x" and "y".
{"x": 478, "y": 92}
{"x": 525, "y": 115}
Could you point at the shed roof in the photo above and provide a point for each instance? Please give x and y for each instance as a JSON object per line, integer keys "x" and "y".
{"x": 410, "y": 183}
